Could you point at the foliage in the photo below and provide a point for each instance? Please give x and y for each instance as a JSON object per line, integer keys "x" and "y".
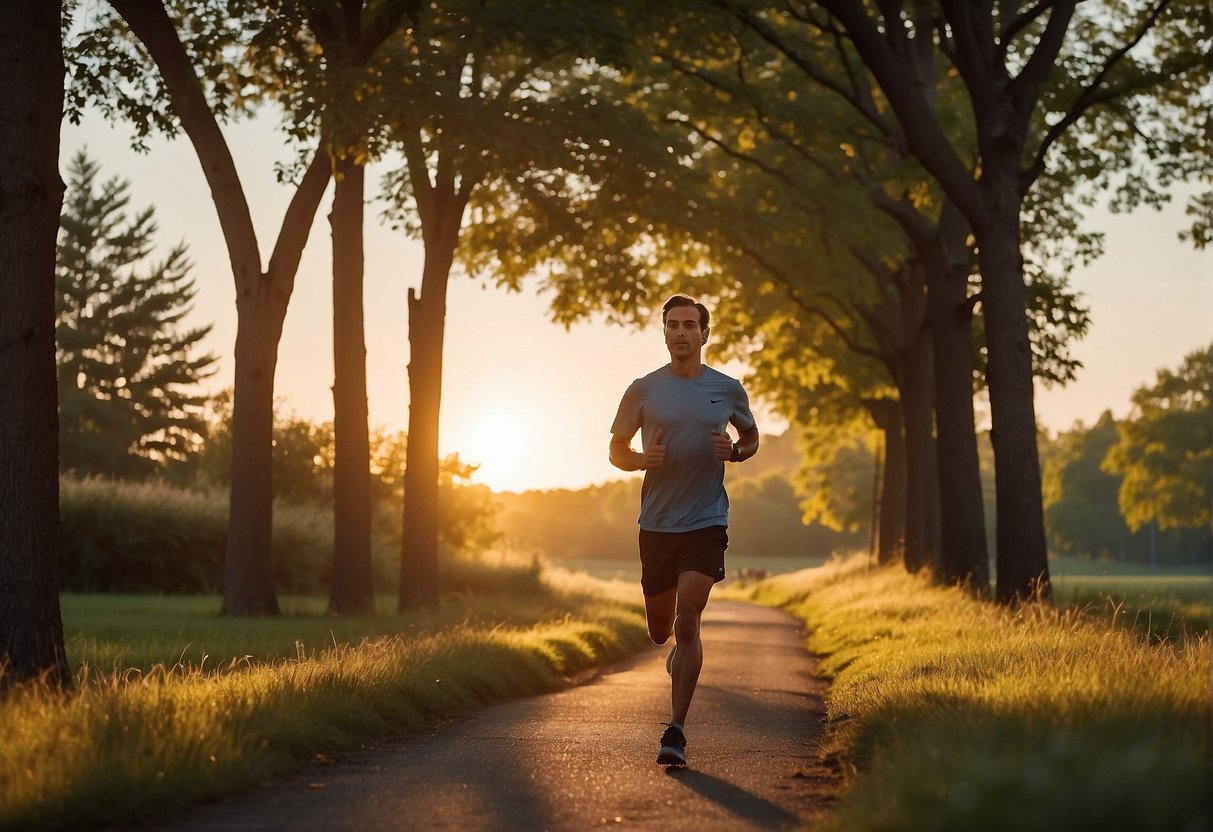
{"x": 1165, "y": 448}
{"x": 154, "y": 537}
{"x": 1081, "y": 513}
{"x": 129, "y": 744}
{"x": 128, "y": 373}
{"x": 1082, "y": 509}
{"x": 110, "y": 70}
{"x": 303, "y": 474}
{"x": 957, "y": 714}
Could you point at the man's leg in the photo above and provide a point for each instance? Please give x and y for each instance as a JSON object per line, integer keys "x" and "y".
{"x": 659, "y": 615}
{"x": 693, "y": 591}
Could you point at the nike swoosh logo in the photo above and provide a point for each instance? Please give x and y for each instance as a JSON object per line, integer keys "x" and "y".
{"x": 717, "y": 401}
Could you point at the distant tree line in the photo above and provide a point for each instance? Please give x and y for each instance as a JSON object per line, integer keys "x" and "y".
{"x": 1139, "y": 489}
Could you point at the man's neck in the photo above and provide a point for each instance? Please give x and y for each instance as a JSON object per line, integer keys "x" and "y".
{"x": 686, "y": 368}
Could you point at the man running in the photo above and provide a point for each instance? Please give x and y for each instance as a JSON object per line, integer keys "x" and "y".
{"x": 682, "y": 411}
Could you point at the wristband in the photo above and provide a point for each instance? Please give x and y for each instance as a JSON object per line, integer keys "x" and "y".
{"x": 736, "y": 455}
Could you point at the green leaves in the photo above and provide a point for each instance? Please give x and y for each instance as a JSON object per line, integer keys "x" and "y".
{"x": 1165, "y": 450}
{"x": 128, "y": 371}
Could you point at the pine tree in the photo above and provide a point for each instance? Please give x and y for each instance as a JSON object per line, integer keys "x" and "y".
{"x": 128, "y": 376}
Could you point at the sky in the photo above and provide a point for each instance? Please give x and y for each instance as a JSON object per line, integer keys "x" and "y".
{"x": 532, "y": 402}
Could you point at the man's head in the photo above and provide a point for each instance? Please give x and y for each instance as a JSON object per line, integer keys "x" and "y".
{"x": 681, "y": 302}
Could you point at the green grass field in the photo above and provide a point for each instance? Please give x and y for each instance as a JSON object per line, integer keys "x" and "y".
{"x": 1171, "y": 603}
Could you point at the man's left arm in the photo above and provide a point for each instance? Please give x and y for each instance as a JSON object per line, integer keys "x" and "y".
{"x": 746, "y": 445}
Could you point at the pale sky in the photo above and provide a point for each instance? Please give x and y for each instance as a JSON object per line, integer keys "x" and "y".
{"x": 533, "y": 403}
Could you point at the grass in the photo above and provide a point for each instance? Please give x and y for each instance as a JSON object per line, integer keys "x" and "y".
{"x": 174, "y": 704}
{"x": 953, "y": 714}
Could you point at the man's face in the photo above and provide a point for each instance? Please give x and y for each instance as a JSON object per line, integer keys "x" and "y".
{"x": 683, "y": 337}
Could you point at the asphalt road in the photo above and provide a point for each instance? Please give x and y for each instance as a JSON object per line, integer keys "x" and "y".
{"x": 585, "y": 757}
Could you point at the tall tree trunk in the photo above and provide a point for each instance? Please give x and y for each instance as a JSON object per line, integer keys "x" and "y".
{"x": 427, "y": 323}
{"x": 964, "y": 556}
{"x": 31, "y": 197}
{"x": 419, "y": 541}
{"x": 1023, "y": 568}
{"x": 261, "y": 301}
{"x": 352, "y": 591}
{"x": 919, "y": 448}
{"x": 248, "y": 569}
{"x": 891, "y": 544}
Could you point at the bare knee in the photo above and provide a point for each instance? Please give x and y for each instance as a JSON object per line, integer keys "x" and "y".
{"x": 686, "y": 626}
{"x": 659, "y": 637}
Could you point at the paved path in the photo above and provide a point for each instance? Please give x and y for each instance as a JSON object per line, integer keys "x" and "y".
{"x": 584, "y": 757}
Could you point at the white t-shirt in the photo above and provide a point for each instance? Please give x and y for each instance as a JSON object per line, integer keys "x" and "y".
{"x": 686, "y": 492}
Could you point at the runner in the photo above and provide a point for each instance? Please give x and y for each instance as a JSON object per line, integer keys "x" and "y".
{"x": 682, "y": 411}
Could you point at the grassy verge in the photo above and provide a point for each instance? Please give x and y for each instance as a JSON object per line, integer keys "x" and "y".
{"x": 145, "y": 733}
{"x": 952, "y": 714}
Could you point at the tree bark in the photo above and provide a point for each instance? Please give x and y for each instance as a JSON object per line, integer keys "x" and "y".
{"x": 891, "y": 543}
{"x": 919, "y": 450}
{"x": 427, "y": 321}
{"x": 964, "y": 555}
{"x": 31, "y": 196}
{"x": 248, "y": 577}
{"x": 261, "y": 302}
{"x": 1021, "y": 554}
{"x": 352, "y": 590}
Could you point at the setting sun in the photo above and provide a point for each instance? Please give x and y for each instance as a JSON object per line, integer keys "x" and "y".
{"x": 498, "y": 441}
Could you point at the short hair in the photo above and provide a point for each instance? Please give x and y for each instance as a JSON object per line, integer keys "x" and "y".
{"x": 683, "y": 300}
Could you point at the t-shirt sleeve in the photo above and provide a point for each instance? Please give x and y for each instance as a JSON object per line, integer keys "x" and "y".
{"x": 627, "y": 419}
{"x": 742, "y": 418}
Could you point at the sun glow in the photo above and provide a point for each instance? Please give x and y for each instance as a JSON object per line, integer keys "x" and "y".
{"x": 499, "y": 441}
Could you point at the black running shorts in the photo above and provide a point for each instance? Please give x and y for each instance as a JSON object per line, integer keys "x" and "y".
{"x": 666, "y": 555}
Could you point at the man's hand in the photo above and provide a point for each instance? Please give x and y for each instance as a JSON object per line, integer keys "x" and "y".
{"x": 654, "y": 454}
{"x": 722, "y": 444}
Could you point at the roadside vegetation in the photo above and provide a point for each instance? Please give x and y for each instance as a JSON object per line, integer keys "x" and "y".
{"x": 949, "y": 713}
{"x": 174, "y": 703}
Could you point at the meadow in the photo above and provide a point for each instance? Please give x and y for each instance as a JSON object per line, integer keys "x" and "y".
{"x": 950, "y": 713}
{"x": 174, "y": 704}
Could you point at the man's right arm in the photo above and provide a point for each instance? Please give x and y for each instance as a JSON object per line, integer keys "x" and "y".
{"x": 625, "y": 459}
{"x": 622, "y": 455}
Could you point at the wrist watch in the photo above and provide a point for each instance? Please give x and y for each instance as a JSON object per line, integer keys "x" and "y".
{"x": 736, "y": 455}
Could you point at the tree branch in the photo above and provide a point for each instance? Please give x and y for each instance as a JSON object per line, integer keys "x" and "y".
{"x": 808, "y": 308}
{"x": 296, "y": 223}
{"x": 923, "y": 133}
{"x": 1085, "y": 100}
{"x": 149, "y": 21}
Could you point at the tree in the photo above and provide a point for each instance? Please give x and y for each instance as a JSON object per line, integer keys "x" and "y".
{"x": 126, "y": 368}
{"x": 349, "y": 34}
{"x": 1081, "y": 511}
{"x": 31, "y": 194}
{"x": 495, "y": 110}
{"x": 1164, "y": 449}
{"x": 193, "y": 91}
{"x": 1006, "y": 58}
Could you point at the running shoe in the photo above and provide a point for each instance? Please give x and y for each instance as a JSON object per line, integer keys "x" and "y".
{"x": 673, "y": 747}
